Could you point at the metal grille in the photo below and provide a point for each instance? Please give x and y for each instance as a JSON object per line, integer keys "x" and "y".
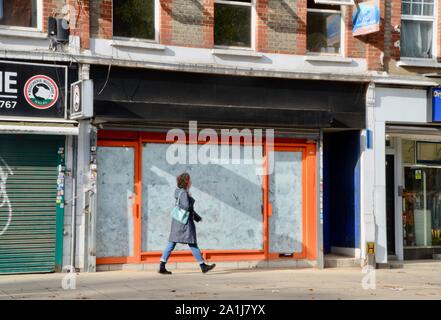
{"x": 28, "y": 214}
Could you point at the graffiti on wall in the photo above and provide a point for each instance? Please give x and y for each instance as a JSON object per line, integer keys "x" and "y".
{"x": 5, "y": 172}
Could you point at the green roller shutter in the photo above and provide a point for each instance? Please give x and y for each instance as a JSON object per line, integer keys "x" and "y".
{"x": 30, "y": 218}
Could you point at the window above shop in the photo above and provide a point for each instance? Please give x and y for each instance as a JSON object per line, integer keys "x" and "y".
{"x": 324, "y": 28}
{"x": 135, "y": 19}
{"x": 428, "y": 152}
{"x": 233, "y": 22}
{"x": 417, "y": 29}
{"x": 19, "y": 13}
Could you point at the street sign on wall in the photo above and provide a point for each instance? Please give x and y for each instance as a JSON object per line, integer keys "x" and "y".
{"x": 366, "y": 18}
{"x": 32, "y": 90}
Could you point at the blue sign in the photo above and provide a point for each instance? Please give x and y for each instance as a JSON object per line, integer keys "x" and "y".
{"x": 366, "y": 18}
{"x": 436, "y": 105}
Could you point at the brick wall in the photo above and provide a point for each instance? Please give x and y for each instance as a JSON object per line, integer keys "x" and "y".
{"x": 392, "y": 19}
{"x": 375, "y": 43}
{"x": 355, "y": 47}
{"x": 277, "y": 26}
{"x": 301, "y": 26}
{"x": 101, "y": 19}
{"x": 51, "y": 8}
{"x": 80, "y": 21}
{"x": 438, "y": 26}
{"x": 280, "y": 27}
{"x": 187, "y": 23}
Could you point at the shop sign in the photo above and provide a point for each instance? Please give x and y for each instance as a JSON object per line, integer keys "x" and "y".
{"x": 366, "y": 18}
{"x": 32, "y": 90}
{"x": 436, "y": 105}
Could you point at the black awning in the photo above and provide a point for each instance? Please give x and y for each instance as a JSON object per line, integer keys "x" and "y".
{"x": 165, "y": 96}
{"x": 124, "y": 111}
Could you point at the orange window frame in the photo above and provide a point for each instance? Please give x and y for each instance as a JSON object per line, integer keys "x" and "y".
{"x": 309, "y": 225}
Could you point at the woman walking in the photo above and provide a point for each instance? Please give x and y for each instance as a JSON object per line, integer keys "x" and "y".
{"x": 184, "y": 233}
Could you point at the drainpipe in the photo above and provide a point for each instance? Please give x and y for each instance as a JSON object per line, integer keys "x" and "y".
{"x": 74, "y": 200}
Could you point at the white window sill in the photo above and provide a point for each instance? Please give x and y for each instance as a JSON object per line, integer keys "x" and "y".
{"x": 429, "y": 63}
{"x": 237, "y": 52}
{"x": 326, "y": 58}
{"x": 17, "y": 33}
{"x": 138, "y": 44}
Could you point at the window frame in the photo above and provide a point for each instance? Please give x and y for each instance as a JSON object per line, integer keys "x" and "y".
{"x": 251, "y": 4}
{"x": 336, "y": 2}
{"x": 342, "y": 52}
{"x": 39, "y": 26}
{"x": 157, "y": 26}
{"x": 434, "y": 20}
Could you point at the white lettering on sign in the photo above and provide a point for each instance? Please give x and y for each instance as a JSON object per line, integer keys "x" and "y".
{"x": 8, "y": 82}
{"x": 437, "y": 94}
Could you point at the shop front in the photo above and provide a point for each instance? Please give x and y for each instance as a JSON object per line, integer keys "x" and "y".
{"x": 252, "y": 149}
{"x": 405, "y": 176}
{"x": 418, "y": 198}
{"x": 33, "y": 143}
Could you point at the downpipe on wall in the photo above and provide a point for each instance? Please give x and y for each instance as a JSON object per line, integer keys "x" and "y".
{"x": 73, "y": 206}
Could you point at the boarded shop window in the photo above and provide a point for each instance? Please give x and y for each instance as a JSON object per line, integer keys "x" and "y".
{"x": 19, "y": 13}
{"x": 285, "y": 194}
{"x": 417, "y": 22}
{"x": 115, "y": 185}
{"x": 323, "y": 28}
{"x": 134, "y": 19}
{"x": 229, "y": 198}
{"x": 232, "y": 23}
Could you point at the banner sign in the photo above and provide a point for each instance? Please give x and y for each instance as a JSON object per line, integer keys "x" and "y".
{"x": 32, "y": 90}
{"x": 366, "y": 18}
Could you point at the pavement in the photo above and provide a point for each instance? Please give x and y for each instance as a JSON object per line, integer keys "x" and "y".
{"x": 414, "y": 281}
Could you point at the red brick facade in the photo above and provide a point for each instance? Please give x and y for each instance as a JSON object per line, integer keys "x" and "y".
{"x": 279, "y": 28}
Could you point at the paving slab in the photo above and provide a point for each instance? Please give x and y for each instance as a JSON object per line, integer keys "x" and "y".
{"x": 415, "y": 281}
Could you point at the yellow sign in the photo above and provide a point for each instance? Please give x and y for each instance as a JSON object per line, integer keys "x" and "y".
{"x": 371, "y": 248}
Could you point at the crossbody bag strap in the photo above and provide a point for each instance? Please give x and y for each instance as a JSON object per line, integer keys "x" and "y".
{"x": 179, "y": 196}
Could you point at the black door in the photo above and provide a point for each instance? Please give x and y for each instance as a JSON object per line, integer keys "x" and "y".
{"x": 390, "y": 204}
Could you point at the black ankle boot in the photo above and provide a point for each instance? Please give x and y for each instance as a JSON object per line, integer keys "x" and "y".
{"x": 162, "y": 269}
{"x": 205, "y": 267}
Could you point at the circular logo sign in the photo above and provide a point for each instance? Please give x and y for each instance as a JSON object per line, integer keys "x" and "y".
{"x": 41, "y": 92}
{"x": 76, "y": 98}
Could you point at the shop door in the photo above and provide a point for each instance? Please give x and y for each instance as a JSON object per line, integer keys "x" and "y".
{"x": 117, "y": 212}
{"x": 390, "y": 204}
{"x": 422, "y": 207}
{"x": 31, "y": 209}
{"x": 286, "y": 202}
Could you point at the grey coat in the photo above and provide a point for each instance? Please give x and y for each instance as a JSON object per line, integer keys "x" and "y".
{"x": 184, "y": 233}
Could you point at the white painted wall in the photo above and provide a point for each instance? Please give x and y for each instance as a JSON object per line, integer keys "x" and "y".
{"x": 384, "y": 105}
{"x": 264, "y": 61}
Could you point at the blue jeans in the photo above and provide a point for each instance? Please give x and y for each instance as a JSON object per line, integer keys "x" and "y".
{"x": 194, "y": 249}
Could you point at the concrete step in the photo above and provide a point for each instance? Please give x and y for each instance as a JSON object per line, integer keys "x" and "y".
{"x": 392, "y": 264}
{"x": 336, "y": 261}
